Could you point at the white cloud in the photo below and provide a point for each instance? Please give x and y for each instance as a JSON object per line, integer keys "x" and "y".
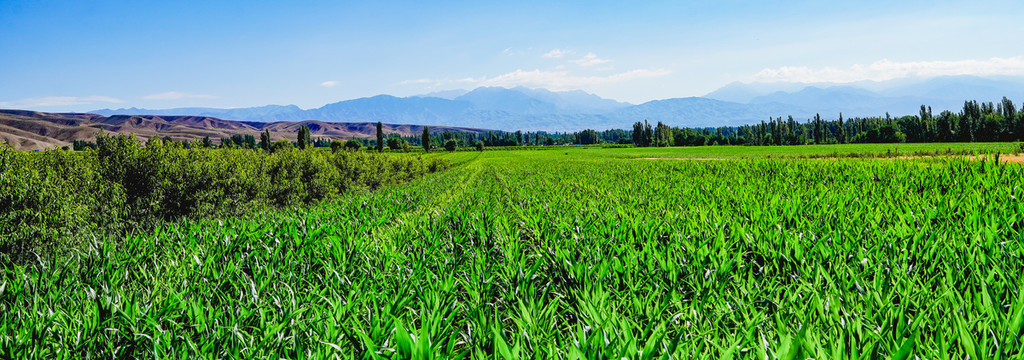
{"x": 439, "y": 82}
{"x": 561, "y": 80}
{"x": 174, "y": 95}
{"x": 590, "y": 59}
{"x": 557, "y": 53}
{"x": 58, "y": 101}
{"x": 558, "y": 80}
{"x": 417, "y": 81}
{"x": 329, "y": 83}
{"x": 887, "y": 70}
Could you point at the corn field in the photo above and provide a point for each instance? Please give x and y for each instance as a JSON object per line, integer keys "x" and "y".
{"x": 563, "y": 255}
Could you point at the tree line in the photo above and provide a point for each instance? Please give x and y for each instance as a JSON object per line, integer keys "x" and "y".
{"x": 975, "y": 122}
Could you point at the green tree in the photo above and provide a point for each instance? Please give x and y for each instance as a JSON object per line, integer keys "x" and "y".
{"x": 426, "y": 139}
{"x": 397, "y": 143}
{"x": 265, "y": 140}
{"x": 663, "y": 135}
{"x": 305, "y": 139}
{"x": 648, "y": 138}
{"x": 353, "y": 145}
{"x": 638, "y": 134}
{"x": 450, "y": 145}
{"x": 249, "y": 142}
{"x": 281, "y": 145}
{"x": 841, "y": 132}
{"x": 380, "y": 137}
{"x": 819, "y": 134}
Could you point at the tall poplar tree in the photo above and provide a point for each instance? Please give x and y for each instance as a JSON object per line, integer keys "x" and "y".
{"x": 841, "y": 135}
{"x": 380, "y": 137}
{"x": 426, "y": 139}
{"x": 305, "y": 140}
{"x": 265, "y": 140}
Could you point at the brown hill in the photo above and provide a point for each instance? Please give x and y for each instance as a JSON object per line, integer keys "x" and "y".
{"x": 31, "y": 130}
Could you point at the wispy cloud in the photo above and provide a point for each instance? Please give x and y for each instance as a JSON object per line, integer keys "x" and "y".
{"x": 551, "y": 80}
{"x": 590, "y": 59}
{"x": 174, "y": 95}
{"x": 418, "y": 81}
{"x": 58, "y": 101}
{"x": 441, "y": 81}
{"x": 329, "y": 83}
{"x": 557, "y": 53}
{"x": 887, "y": 70}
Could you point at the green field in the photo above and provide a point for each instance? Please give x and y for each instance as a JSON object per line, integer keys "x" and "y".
{"x": 568, "y": 253}
{"x": 818, "y": 151}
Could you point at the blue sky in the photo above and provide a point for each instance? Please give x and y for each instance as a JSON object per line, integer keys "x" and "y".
{"x": 85, "y": 55}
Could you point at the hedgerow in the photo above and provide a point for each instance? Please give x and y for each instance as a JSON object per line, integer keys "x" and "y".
{"x": 51, "y": 199}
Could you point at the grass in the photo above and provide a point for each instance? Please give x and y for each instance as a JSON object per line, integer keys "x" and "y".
{"x": 803, "y": 151}
{"x": 571, "y": 253}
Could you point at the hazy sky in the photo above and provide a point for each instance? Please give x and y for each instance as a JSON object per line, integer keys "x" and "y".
{"x": 85, "y": 55}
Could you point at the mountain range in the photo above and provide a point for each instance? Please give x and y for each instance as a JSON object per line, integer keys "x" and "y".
{"x": 31, "y": 130}
{"x": 868, "y": 98}
{"x": 527, "y": 109}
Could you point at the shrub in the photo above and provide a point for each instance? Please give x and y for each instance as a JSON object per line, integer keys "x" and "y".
{"x": 281, "y": 145}
{"x": 353, "y": 145}
{"x": 450, "y": 145}
{"x": 52, "y": 197}
{"x": 397, "y": 143}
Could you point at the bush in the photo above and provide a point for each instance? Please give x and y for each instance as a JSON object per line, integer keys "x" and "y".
{"x": 281, "y": 145}
{"x": 353, "y": 145}
{"x": 397, "y": 143}
{"x": 883, "y": 134}
{"x": 450, "y": 145}
{"x": 336, "y": 145}
{"x": 49, "y": 198}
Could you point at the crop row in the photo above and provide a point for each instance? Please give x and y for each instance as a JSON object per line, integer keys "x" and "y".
{"x": 545, "y": 255}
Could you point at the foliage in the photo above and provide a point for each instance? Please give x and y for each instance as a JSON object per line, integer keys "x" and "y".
{"x": 304, "y": 139}
{"x": 426, "y": 139}
{"x": 450, "y": 145}
{"x": 353, "y": 145}
{"x": 265, "y": 140}
{"x": 662, "y": 136}
{"x": 380, "y": 137}
{"x": 397, "y": 143}
{"x": 642, "y": 134}
{"x": 281, "y": 145}
{"x": 884, "y": 134}
{"x": 54, "y": 196}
